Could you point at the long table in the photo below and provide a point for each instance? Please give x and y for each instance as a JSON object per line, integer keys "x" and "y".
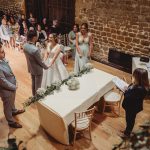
{"x": 56, "y": 111}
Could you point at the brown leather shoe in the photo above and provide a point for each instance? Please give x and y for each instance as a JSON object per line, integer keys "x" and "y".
{"x": 15, "y": 125}
{"x": 18, "y": 112}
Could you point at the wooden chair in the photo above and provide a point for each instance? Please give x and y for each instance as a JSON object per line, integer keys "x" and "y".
{"x": 82, "y": 122}
{"x": 114, "y": 98}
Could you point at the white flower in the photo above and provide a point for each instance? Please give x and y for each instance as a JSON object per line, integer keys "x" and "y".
{"x": 73, "y": 84}
{"x": 72, "y": 74}
{"x": 89, "y": 66}
{"x": 68, "y": 82}
{"x": 57, "y": 84}
{"x": 40, "y": 91}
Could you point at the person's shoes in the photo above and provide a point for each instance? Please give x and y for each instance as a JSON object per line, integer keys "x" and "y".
{"x": 123, "y": 134}
{"x": 15, "y": 125}
{"x": 18, "y": 112}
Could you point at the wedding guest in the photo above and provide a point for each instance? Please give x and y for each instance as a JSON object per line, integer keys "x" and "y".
{"x": 44, "y": 25}
{"x": 33, "y": 23}
{"x": 7, "y": 32}
{"x": 55, "y": 28}
{"x": 12, "y": 28}
{"x": 30, "y": 17}
{"x": 84, "y": 46}
{"x": 34, "y": 61}
{"x": 8, "y": 89}
{"x": 72, "y": 39}
{"x": 41, "y": 34}
{"x": 15, "y": 26}
{"x": 134, "y": 96}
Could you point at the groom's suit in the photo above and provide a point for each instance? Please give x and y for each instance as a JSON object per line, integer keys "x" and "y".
{"x": 35, "y": 65}
{"x": 7, "y": 90}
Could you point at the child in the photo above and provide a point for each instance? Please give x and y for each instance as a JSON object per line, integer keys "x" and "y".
{"x": 134, "y": 96}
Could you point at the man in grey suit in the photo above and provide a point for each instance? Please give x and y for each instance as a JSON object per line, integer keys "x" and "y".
{"x": 8, "y": 91}
{"x": 34, "y": 61}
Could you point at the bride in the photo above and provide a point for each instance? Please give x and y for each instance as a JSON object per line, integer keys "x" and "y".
{"x": 57, "y": 71}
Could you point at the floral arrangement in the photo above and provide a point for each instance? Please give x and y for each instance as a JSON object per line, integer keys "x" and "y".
{"x": 139, "y": 140}
{"x": 71, "y": 81}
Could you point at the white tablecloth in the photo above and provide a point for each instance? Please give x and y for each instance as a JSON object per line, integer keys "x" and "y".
{"x": 62, "y": 105}
{"x": 136, "y": 63}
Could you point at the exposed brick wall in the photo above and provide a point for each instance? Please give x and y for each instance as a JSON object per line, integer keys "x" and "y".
{"x": 121, "y": 24}
{"x": 16, "y": 6}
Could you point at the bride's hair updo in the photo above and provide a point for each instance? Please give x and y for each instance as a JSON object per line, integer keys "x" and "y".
{"x": 55, "y": 37}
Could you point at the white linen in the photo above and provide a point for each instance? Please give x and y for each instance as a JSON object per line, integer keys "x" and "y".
{"x": 65, "y": 102}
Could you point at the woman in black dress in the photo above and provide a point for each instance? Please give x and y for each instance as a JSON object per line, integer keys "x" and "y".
{"x": 134, "y": 96}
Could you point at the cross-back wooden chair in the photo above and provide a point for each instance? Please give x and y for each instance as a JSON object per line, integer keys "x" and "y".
{"x": 114, "y": 98}
{"x": 82, "y": 122}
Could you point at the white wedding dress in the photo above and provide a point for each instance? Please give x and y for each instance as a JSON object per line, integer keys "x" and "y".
{"x": 57, "y": 72}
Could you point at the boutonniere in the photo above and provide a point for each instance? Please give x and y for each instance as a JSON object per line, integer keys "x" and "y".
{"x": 6, "y": 61}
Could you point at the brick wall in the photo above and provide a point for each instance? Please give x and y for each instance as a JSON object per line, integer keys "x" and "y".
{"x": 16, "y": 6}
{"x": 121, "y": 24}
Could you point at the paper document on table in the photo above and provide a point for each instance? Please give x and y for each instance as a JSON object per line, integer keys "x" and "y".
{"x": 120, "y": 83}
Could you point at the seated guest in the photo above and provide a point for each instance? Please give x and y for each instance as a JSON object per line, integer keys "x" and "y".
{"x": 55, "y": 27}
{"x": 8, "y": 88}
{"x": 44, "y": 25}
{"x": 22, "y": 22}
{"x": 33, "y": 23}
{"x": 41, "y": 34}
{"x": 31, "y": 17}
{"x": 72, "y": 39}
{"x": 134, "y": 96}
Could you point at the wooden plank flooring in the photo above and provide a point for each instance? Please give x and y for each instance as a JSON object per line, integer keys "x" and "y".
{"x": 105, "y": 127}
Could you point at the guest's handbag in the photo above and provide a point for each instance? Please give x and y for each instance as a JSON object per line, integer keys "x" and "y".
{"x": 144, "y": 59}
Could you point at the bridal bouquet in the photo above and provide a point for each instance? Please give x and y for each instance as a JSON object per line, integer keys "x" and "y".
{"x": 73, "y": 84}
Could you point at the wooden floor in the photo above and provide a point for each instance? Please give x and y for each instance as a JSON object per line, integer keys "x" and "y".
{"x": 105, "y": 127}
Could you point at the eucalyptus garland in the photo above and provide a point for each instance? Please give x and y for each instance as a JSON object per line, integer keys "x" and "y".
{"x": 42, "y": 93}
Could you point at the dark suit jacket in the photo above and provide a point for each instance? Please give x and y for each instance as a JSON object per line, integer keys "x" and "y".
{"x": 7, "y": 80}
{"x": 34, "y": 61}
{"x": 133, "y": 98}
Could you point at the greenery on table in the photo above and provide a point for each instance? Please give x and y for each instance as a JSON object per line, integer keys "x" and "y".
{"x": 41, "y": 93}
{"x": 139, "y": 140}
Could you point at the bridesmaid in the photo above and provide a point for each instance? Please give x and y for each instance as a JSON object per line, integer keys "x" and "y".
{"x": 84, "y": 46}
{"x": 72, "y": 39}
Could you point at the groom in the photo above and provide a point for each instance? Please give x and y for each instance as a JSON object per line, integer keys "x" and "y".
{"x": 34, "y": 61}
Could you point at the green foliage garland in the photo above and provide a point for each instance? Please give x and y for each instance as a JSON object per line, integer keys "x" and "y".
{"x": 55, "y": 86}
